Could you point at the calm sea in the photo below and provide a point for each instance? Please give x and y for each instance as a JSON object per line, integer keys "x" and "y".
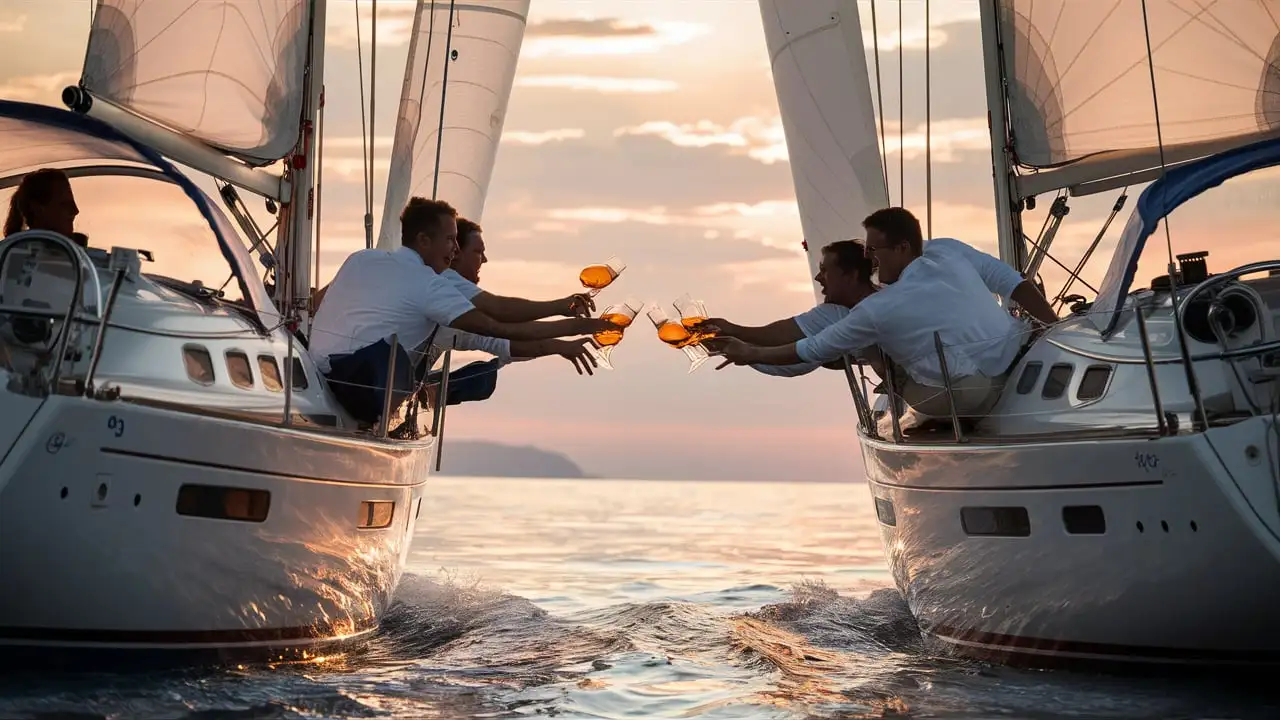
{"x": 626, "y": 599}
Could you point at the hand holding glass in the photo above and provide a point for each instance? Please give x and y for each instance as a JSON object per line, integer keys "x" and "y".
{"x": 678, "y": 336}
{"x": 621, "y": 315}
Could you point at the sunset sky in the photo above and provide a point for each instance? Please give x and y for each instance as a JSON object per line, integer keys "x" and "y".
{"x": 651, "y": 131}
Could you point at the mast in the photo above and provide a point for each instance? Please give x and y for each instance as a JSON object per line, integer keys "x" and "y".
{"x": 293, "y": 285}
{"x": 1008, "y": 212}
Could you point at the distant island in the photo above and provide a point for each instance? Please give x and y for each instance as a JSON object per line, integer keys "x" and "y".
{"x": 489, "y": 459}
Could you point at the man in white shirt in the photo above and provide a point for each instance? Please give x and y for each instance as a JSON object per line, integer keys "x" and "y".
{"x": 944, "y": 286}
{"x": 844, "y": 275}
{"x": 377, "y": 294}
{"x": 477, "y": 381}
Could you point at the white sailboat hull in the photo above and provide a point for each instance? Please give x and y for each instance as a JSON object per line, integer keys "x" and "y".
{"x": 1187, "y": 569}
{"x": 97, "y": 556}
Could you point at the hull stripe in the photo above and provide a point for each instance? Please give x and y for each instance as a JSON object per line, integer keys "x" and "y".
{"x": 246, "y": 636}
{"x": 996, "y": 644}
{"x": 251, "y": 471}
{"x": 1003, "y": 488}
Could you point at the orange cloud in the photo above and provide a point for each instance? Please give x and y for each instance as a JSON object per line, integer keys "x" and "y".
{"x": 585, "y": 38}
{"x": 542, "y": 137}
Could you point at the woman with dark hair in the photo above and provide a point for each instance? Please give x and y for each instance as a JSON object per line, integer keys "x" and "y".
{"x": 43, "y": 201}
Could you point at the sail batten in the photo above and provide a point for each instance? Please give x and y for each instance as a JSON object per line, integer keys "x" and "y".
{"x": 828, "y": 118}
{"x": 228, "y": 74}
{"x": 458, "y": 78}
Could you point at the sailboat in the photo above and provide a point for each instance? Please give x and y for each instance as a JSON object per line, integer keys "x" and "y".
{"x": 177, "y": 476}
{"x": 1121, "y": 503}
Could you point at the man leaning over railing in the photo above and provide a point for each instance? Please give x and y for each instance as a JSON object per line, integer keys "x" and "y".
{"x": 944, "y": 287}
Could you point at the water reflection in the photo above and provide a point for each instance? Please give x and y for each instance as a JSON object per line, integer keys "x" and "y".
{"x": 607, "y": 599}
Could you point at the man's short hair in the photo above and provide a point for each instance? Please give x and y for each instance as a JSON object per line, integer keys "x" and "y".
{"x": 465, "y": 229}
{"x": 421, "y": 215}
{"x": 897, "y": 225}
{"x": 851, "y": 257}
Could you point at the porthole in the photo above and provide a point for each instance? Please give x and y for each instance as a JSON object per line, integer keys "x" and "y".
{"x": 199, "y": 364}
{"x": 1027, "y": 380}
{"x": 1093, "y": 383}
{"x": 239, "y": 370}
{"x": 1056, "y": 382}
{"x": 299, "y": 375}
{"x": 270, "y": 372}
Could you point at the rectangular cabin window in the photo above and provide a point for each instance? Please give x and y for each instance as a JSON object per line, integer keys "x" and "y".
{"x": 1056, "y": 383}
{"x": 1093, "y": 383}
{"x": 270, "y": 372}
{"x": 199, "y": 364}
{"x": 299, "y": 375}
{"x": 239, "y": 370}
{"x": 1084, "y": 520}
{"x": 996, "y": 521}
{"x": 1027, "y": 380}
{"x": 223, "y": 503}
{"x": 884, "y": 512}
{"x": 375, "y": 515}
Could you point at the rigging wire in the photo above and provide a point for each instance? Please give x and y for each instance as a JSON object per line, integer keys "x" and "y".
{"x": 902, "y": 120}
{"x": 373, "y": 119}
{"x": 875, "y": 42}
{"x": 444, "y": 93}
{"x": 320, "y": 127}
{"x": 1192, "y": 384}
{"x": 1155, "y": 102}
{"x": 928, "y": 132}
{"x": 364, "y": 133}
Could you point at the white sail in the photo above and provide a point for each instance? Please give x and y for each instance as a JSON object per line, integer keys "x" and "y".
{"x": 824, "y": 94}
{"x": 229, "y": 73}
{"x": 458, "y": 77}
{"x": 1079, "y": 84}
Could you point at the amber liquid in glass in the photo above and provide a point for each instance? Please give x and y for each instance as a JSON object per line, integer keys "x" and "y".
{"x": 596, "y": 277}
{"x": 675, "y": 334}
{"x": 606, "y": 338}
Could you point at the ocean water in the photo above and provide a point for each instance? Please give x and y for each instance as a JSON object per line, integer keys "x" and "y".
{"x": 629, "y": 599}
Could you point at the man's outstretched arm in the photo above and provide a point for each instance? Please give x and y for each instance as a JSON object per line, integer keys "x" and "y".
{"x": 475, "y": 321}
{"x": 854, "y": 332}
{"x": 779, "y": 332}
{"x": 518, "y": 310}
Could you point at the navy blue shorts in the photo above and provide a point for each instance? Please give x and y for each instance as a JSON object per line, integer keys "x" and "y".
{"x": 470, "y": 383}
{"x": 359, "y": 379}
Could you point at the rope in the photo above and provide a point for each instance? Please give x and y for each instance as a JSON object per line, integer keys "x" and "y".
{"x": 875, "y": 42}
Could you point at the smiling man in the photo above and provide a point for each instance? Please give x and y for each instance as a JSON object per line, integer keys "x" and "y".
{"x": 844, "y": 275}
{"x": 478, "y": 380}
{"x": 942, "y": 286}
{"x": 379, "y": 294}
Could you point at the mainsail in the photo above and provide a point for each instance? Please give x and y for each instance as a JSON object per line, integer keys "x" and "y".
{"x": 1079, "y": 84}
{"x": 228, "y": 73}
{"x": 824, "y": 94}
{"x": 458, "y": 77}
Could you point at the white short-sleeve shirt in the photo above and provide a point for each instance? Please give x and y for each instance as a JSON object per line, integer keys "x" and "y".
{"x": 948, "y": 290}
{"x": 378, "y": 293}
